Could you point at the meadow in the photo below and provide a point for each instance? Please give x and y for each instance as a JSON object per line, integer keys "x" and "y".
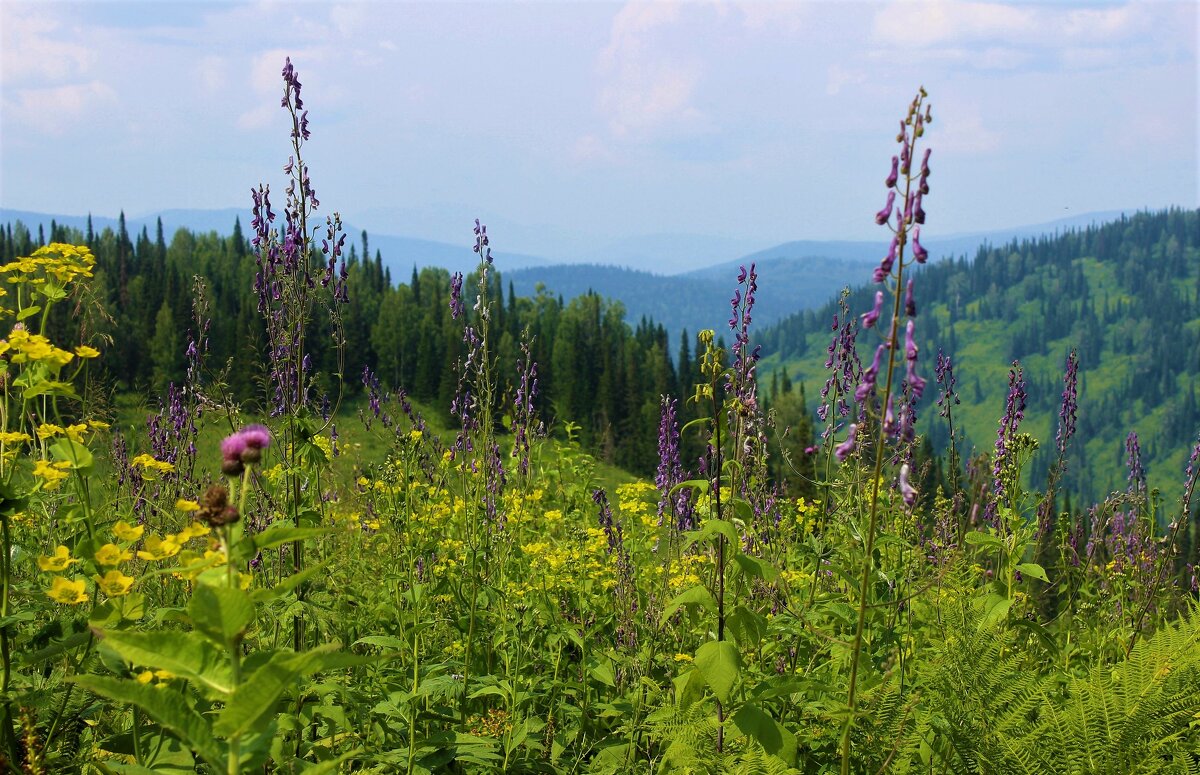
{"x": 254, "y": 587}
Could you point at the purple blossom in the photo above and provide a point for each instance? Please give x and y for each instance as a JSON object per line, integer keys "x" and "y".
{"x": 893, "y": 175}
{"x": 844, "y": 449}
{"x": 1014, "y": 412}
{"x": 868, "y": 377}
{"x": 885, "y": 266}
{"x": 456, "y": 303}
{"x": 907, "y": 491}
{"x": 1137, "y": 475}
{"x": 883, "y": 215}
{"x": 919, "y": 252}
{"x": 1070, "y": 403}
{"x": 869, "y": 319}
{"x": 910, "y": 344}
{"x": 910, "y": 304}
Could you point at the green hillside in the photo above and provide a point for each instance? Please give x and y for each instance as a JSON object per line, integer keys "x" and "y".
{"x": 1126, "y": 294}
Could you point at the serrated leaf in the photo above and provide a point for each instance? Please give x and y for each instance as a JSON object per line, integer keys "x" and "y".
{"x": 167, "y": 708}
{"x": 719, "y": 662}
{"x": 252, "y": 704}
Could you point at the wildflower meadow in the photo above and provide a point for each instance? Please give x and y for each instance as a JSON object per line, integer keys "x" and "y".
{"x": 333, "y": 577}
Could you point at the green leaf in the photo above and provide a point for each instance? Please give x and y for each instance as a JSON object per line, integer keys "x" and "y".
{"x": 221, "y": 613}
{"x": 251, "y": 707}
{"x": 995, "y": 608}
{"x": 746, "y": 626}
{"x": 753, "y": 721}
{"x": 28, "y": 312}
{"x": 186, "y": 654}
{"x": 693, "y": 596}
{"x": 167, "y": 708}
{"x": 980, "y": 538}
{"x": 755, "y": 568}
{"x": 1033, "y": 570}
{"x": 719, "y": 661}
{"x": 711, "y": 529}
{"x": 72, "y": 452}
{"x": 276, "y": 535}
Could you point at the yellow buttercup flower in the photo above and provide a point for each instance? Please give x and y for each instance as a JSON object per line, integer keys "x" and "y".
{"x": 151, "y": 468}
{"x": 14, "y": 437}
{"x": 57, "y": 561}
{"x": 126, "y": 532}
{"x": 75, "y": 432}
{"x": 159, "y": 548}
{"x": 68, "y": 592}
{"x": 111, "y": 554}
{"x": 97, "y": 424}
{"x": 114, "y": 583}
{"x": 83, "y": 351}
{"x": 186, "y": 505}
{"x": 194, "y": 530}
{"x": 52, "y": 473}
{"x": 46, "y": 430}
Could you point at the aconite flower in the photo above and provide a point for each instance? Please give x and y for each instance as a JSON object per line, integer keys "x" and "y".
{"x": 893, "y": 175}
{"x": 919, "y": 252}
{"x": 68, "y": 592}
{"x": 843, "y": 450}
{"x": 882, "y": 216}
{"x": 868, "y": 377}
{"x": 907, "y": 491}
{"x": 869, "y": 319}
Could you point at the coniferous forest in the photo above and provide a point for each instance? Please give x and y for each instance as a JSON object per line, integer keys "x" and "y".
{"x": 374, "y": 524}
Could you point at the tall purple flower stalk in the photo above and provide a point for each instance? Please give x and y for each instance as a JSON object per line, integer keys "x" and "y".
{"x": 676, "y": 507}
{"x": 524, "y": 415}
{"x": 844, "y": 367}
{"x": 1067, "y": 415}
{"x": 1014, "y": 412}
{"x": 626, "y": 592}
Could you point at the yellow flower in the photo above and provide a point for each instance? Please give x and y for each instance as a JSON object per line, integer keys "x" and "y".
{"x": 83, "y": 351}
{"x": 14, "y": 437}
{"x": 57, "y": 561}
{"x": 194, "y": 530}
{"x": 683, "y": 657}
{"x": 69, "y": 592}
{"x": 145, "y": 677}
{"x": 98, "y": 424}
{"x": 75, "y": 432}
{"x": 46, "y": 430}
{"x": 114, "y": 583}
{"x": 186, "y": 505}
{"x": 159, "y": 548}
{"x": 111, "y": 554}
{"x": 126, "y": 532}
{"x": 151, "y": 468}
{"x": 52, "y": 473}
{"x": 415, "y": 436}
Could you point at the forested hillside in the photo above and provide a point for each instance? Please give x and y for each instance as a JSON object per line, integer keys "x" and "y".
{"x": 594, "y": 369}
{"x": 1126, "y": 294}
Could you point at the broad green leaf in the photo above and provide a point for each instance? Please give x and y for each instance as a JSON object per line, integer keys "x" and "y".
{"x": 753, "y": 721}
{"x": 1033, "y": 570}
{"x": 980, "y": 538}
{"x": 995, "y": 608}
{"x": 719, "y": 661}
{"x": 755, "y": 568}
{"x": 276, "y": 535}
{"x": 167, "y": 708}
{"x": 711, "y": 529}
{"x": 28, "y": 312}
{"x": 252, "y": 705}
{"x": 693, "y": 596}
{"x": 746, "y": 626}
{"x": 186, "y": 654}
{"x": 221, "y": 613}
{"x": 72, "y": 452}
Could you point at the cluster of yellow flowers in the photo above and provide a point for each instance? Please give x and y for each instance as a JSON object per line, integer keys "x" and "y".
{"x": 152, "y": 468}
{"x": 559, "y": 566}
{"x": 61, "y": 261}
{"x": 111, "y": 556}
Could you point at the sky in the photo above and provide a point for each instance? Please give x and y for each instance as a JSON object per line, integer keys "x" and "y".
{"x": 569, "y": 126}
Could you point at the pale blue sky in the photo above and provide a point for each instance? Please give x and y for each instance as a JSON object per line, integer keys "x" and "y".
{"x": 570, "y": 123}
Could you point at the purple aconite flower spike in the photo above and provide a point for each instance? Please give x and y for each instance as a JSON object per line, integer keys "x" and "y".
{"x": 919, "y": 252}
{"x": 868, "y": 377}
{"x": 894, "y": 174}
{"x": 910, "y": 344}
{"x": 910, "y": 305}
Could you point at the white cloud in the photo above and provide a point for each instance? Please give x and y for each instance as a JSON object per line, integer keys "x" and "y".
{"x": 644, "y": 86}
{"x": 840, "y": 76}
{"x": 34, "y": 48}
{"x": 55, "y": 110}
{"x": 964, "y": 131}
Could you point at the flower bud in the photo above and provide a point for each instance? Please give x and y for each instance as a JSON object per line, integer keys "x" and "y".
{"x": 919, "y": 253}
{"x": 882, "y": 216}
{"x": 894, "y": 175}
{"x": 869, "y": 319}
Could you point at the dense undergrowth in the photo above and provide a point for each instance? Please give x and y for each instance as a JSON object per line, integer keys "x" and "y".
{"x": 471, "y": 600}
